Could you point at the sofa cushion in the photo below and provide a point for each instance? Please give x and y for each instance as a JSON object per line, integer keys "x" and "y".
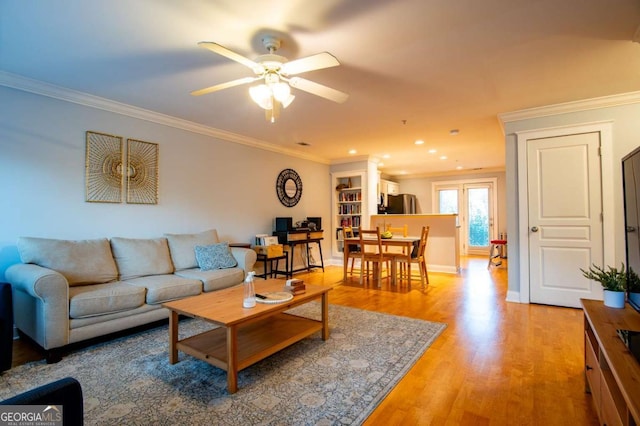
{"x": 215, "y": 256}
{"x": 80, "y": 261}
{"x": 215, "y": 279}
{"x": 183, "y": 247}
{"x": 140, "y": 257}
{"x": 99, "y": 299}
{"x": 162, "y": 288}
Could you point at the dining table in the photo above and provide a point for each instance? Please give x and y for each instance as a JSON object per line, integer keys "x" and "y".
{"x": 407, "y": 243}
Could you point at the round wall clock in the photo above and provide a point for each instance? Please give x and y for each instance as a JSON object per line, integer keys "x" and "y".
{"x": 289, "y": 187}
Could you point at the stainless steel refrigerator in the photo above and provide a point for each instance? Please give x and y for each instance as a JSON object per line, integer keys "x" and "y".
{"x": 401, "y": 204}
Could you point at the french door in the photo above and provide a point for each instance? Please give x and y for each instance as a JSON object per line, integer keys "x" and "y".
{"x": 474, "y": 202}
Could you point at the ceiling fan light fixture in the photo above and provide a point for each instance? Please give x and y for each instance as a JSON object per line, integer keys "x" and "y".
{"x": 285, "y": 103}
{"x": 261, "y": 94}
{"x": 281, "y": 91}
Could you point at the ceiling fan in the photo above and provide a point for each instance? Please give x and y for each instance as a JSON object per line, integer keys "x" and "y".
{"x": 276, "y": 73}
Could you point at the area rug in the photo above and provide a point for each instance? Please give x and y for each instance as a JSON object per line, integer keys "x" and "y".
{"x": 129, "y": 381}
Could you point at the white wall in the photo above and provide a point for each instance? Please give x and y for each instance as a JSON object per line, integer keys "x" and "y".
{"x": 203, "y": 182}
{"x": 626, "y": 137}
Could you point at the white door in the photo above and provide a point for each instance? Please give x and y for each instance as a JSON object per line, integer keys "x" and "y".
{"x": 479, "y": 217}
{"x": 474, "y": 202}
{"x": 565, "y": 217}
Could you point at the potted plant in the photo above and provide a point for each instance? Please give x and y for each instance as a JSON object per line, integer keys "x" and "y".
{"x": 633, "y": 285}
{"x": 612, "y": 280}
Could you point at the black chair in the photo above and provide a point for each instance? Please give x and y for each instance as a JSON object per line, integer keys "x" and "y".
{"x": 66, "y": 392}
{"x": 6, "y": 327}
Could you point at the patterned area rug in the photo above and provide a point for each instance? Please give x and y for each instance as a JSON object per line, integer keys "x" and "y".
{"x": 129, "y": 381}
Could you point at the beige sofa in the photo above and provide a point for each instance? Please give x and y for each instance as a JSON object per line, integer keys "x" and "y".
{"x": 68, "y": 291}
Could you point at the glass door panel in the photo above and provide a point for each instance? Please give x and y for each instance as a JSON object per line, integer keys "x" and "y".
{"x": 448, "y": 201}
{"x": 478, "y": 218}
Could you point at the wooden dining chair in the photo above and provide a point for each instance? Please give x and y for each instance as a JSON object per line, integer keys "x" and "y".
{"x": 417, "y": 256}
{"x": 354, "y": 249}
{"x": 399, "y": 230}
{"x": 371, "y": 253}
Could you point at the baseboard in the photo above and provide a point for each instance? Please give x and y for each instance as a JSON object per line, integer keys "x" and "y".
{"x": 513, "y": 296}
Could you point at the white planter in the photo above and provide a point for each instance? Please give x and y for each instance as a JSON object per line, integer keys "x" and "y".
{"x": 614, "y": 299}
{"x": 635, "y": 298}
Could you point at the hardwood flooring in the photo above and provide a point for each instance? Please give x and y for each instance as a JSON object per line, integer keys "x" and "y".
{"x": 497, "y": 363}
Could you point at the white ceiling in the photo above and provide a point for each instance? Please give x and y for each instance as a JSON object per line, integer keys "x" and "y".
{"x": 414, "y": 69}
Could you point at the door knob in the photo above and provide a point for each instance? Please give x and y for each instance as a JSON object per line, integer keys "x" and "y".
{"x": 631, "y": 229}
{"x": 534, "y": 229}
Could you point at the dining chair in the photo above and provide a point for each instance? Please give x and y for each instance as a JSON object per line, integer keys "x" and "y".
{"x": 400, "y": 230}
{"x": 371, "y": 253}
{"x": 354, "y": 249}
{"x": 416, "y": 256}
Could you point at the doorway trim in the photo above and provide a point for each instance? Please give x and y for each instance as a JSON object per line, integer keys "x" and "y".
{"x": 605, "y": 128}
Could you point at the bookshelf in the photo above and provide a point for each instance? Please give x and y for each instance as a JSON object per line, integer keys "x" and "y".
{"x": 349, "y": 205}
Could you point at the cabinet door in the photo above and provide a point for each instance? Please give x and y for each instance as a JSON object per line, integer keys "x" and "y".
{"x": 609, "y": 414}
{"x": 393, "y": 188}
{"x": 592, "y": 373}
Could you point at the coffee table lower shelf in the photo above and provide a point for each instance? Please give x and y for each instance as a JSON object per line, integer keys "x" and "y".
{"x": 254, "y": 341}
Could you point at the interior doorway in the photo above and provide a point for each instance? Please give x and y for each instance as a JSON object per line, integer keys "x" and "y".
{"x": 566, "y": 220}
{"x": 475, "y": 203}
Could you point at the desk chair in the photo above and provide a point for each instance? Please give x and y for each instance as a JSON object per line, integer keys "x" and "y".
{"x": 371, "y": 252}
{"x": 495, "y": 252}
{"x": 416, "y": 256}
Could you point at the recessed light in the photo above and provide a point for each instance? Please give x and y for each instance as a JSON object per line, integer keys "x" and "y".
{"x": 301, "y": 143}
{"x": 386, "y": 156}
{"x": 444, "y": 157}
{"x": 419, "y": 142}
{"x": 454, "y": 132}
{"x": 380, "y": 164}
{"x": 433, "y": 151}
{"x": 459, "y": 168}
{"x": 352, "y": 151}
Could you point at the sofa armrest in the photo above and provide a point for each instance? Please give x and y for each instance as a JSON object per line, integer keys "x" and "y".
{"x": 246, "y": 258}
{"x": 41, "y": 303}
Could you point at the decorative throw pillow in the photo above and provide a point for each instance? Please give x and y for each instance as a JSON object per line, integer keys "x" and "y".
{"x": 215, "y": 256}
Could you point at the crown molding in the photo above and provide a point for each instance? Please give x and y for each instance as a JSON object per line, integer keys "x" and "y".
{"x": 38, "y": 87}
{"x": 569, "y": 107}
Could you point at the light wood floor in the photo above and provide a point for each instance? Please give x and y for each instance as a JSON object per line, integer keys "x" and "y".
{"x": 497, "y": 363}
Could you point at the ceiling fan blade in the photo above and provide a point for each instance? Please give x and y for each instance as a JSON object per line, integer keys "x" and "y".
{"x": 310, "y": 63}
{"x": 221, "y": 50}
{"x": 226, "y": 85}
{"x": 318, "y": 89}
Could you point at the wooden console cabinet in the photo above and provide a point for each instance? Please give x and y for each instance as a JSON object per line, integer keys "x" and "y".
{"x": 612, "y": 374}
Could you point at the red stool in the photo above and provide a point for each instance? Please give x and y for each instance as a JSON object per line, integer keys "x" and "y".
{"x": 496, "y": 250}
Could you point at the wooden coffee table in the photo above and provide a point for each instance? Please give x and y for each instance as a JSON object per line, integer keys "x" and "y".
{"x": 245, "y": 335}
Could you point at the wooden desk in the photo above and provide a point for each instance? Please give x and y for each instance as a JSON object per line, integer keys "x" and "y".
{"x": 407, "y": 243}
{"x": 301, "y": 236}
